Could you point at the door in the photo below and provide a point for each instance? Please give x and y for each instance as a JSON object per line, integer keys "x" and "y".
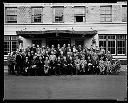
{"x": 37, "y": 42}
{"x": 79, "y": 42}
{"x": 55, "y": 41}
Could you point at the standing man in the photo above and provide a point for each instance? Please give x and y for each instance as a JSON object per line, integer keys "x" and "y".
{"x": 33, "y": 48}
{"x": 18, "y": 62}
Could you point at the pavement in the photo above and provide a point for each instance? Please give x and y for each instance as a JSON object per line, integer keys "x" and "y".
{"x": 66, "y": 87}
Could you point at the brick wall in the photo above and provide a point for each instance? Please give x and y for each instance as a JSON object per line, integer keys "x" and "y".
{"x": 24, "y": 14}
{"x": 47, "y": 14}
{"x": 116, "y": 13}
{"x": 68, "y": 14}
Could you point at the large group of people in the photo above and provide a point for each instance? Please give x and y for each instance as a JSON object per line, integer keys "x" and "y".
{"x": 62, "y": 60}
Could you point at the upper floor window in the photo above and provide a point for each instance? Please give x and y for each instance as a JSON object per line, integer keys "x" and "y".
{"x": 58, "y": 14}
{"x": 79, "y": 14}
{"x": 11, "y": 15}
{"x": 124, "y": 13}
{"x": 37, "y": 14}
{"x": 106, "y": 13}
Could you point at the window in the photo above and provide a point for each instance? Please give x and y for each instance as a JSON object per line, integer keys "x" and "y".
{"x": 79, "y": 14}
{"x": 37, "y": 14}
{"x": 124, "y": 13}
{"x": 102, "y": 41}
{"x": 11, "y": 15}
{"x": 105, "y": 13}
{"x": 14, "y": 43}
{"x": 58, "y": 14}
{"x": 111, "y": 46}
{"x": 6, "y": 45}
{"x": 116, "y": 44}
{"x": 10, "y": 44}
{"x": 121, "y": 44}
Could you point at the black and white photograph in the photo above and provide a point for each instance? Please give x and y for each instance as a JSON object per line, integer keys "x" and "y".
{"x": 60, "y": 51}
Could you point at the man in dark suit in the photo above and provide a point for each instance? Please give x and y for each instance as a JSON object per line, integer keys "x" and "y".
{"x": 18, "y": 63}
{"x": 33, "y": 48}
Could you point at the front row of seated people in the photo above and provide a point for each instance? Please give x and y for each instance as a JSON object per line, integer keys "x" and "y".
{"x": 61, "y": 61}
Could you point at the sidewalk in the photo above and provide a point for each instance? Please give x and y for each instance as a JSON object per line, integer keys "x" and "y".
{"x": 123, "y": 68}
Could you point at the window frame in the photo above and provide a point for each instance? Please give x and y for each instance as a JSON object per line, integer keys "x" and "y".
{"x": 83, "y": 15}
{"x": 54, "y": 14}
{"x": 123, "y": 13}
{"x": 104, "y": 40}
{"x": 10, "y": 40}
{"x": 116, "y": 51}
{"x": 104, "y": 14}
{"x": 123, "y": 47}
{"x": 33, "y": 15}
{"x": 7, "y": 15}
{"x": 114, "y": 41}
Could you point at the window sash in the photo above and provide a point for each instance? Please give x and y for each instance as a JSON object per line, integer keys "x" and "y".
{"x": 11, "y": 11}
{"x": 7, "y": 47}
{"x": 106, "y": 13}
{"x": 83, "y": 18}
{"x": 124, "y": 14}
{"x": 121, "y": 47}
{"x": 37, "y": 14}
{"x": 14, "y": 46}
{"x": 79, "y": 11}
{"x": 58, "y": 14}
{"x": 58, "y": 11}
{"x": 106, "y": 18}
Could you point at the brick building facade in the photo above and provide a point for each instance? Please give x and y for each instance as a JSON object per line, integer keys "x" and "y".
{"x": 74, "y": 23}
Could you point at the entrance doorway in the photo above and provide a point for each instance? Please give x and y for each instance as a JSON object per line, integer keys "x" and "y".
{"x": 37, "y": 42}
{"x": 56, "y": 41}
{"x": 79, "y": 42}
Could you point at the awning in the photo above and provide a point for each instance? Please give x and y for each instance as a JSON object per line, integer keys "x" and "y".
{"x": 93, "y": 32}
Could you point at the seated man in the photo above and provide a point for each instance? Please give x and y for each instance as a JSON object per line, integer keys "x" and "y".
{"x": 77, "y": 65}
{"x": 52, "y": 59}
{"x": 101, "y": 66}
{"x": 65, "y": 64}
{"x": 116, "y": 66}
{"x": 83, "y": 64}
